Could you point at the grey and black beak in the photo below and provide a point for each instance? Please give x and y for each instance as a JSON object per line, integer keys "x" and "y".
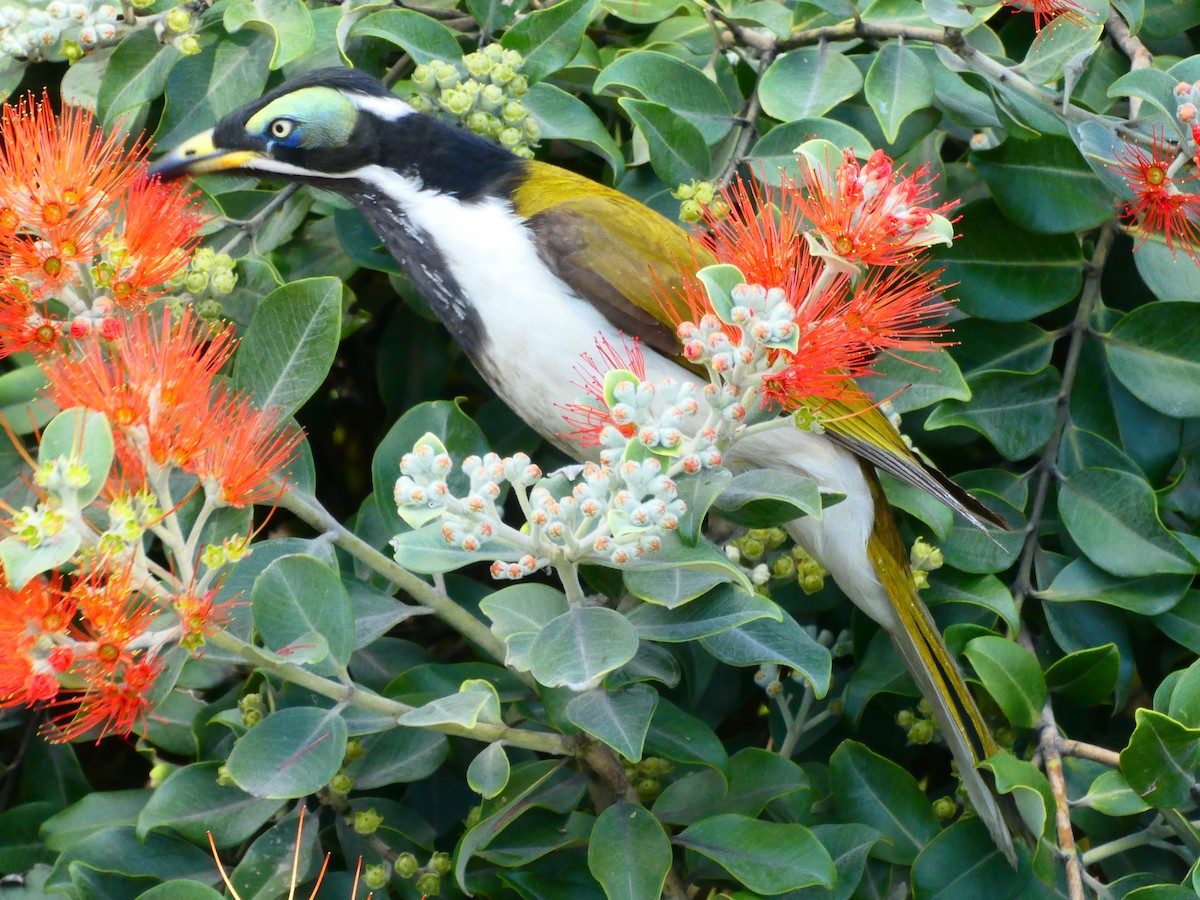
{"x": 200, "y": 156}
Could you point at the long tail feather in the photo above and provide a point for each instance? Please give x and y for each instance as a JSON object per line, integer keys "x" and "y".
{"x": 926, "y": 656}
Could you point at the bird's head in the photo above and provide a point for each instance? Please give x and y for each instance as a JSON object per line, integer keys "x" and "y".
{"x": 329, "y": 127}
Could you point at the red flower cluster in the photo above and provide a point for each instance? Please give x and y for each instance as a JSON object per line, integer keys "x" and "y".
{"x": 83, "y": 230}
{"x": 1159, "y": 206}
{"x": 1047, "y": 11}
{"x": 85, "y": 650}
{"x": 157, "y": 384}
{"x": 843, "y": 324}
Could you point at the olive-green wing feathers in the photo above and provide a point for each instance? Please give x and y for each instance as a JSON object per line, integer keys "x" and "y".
{"x": 867, "y": 433}
{"x": 612, "y": 251}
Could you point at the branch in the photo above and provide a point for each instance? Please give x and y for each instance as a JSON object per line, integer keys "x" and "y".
{"x": 309, "y": 509}
{"x": 1047, "y": 465}
{"x": 540, "y": 741}
{"x": 1139, "y": 56}
{"x": 1052, "y": 762}
{"x": 1068, "y": 747}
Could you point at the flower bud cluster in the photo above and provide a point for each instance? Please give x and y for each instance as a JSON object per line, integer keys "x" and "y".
{"x": 764, "y": 313}
{"x": 128, "y": 518}
{"x": 67, "y": 30}
{"x": 482, "y": 91}
{"x": 924, "y": 558}
{"x": 209, "y": 277}
{"x": 616, "y": 511}
{"x": 759, "y": 552}
{"x": 698, "y": 199}
{"x": 1187, "y": 110}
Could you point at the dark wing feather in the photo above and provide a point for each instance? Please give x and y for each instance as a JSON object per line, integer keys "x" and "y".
{"x": 617, "y": 254}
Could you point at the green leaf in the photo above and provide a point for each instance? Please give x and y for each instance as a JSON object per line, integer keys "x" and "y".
{"x": 629, "y": 852}
{"x": 580, "y": 647}
{"x": 672, "y": 587}
{"x": 673, "y": 84}
{"x": 291, "y": 753}
{"x": 1169, "y": 274}
{"x": 1146, "y": 595}
{"x": 1155, "y": 352}
{"x": 682, "y": 738}
{"x": 677, "y": 149}
{"x": 1028, "y": 786}
{"x": 84, "y": 436}
{"x": 523, "y": 608}
{"x": 807, "y": 83}
{"x": 897, "y": 85}
{"x": 202, "y": 88}
{"x": 549, "y": 38}
{"x": 118, "y": 850}
{"x": 298, "y": 596}
{"x": 1044, "y": 185}
{"x": 913, "y": 380}
{"x": 942, "y": 871}
{"x": 91, "y": 814}
{"x": 719, "y": 610}
{"x": 1181, "y": 623}
{"x": 985, "y": 591}
{"x": 775, "y": 152}
{"x": 1012, "y": 676}
{"x": 1086, "y": 677}
{"x": 703, "y": 557}
{"x": 489, "y": 771}
{"x": 1152, "y": 85}
{"x": 1014, "y": 412}
{"x": 1113, "y": 516}
{"x": 767, "y": 857}
{"x": 875, "y": 791}
{"x": 1056, "y": 45}
{"x": 768, "y": 641}
{"x": 699, "y": 491}
{"x": 266, "y": 868}
{"x": 288, "y": 21}
{"x": 1008, "y": 274}
{"x": 289, "y": 347}
{"x": 399, "y": 755}
{"x": 756, "y": 777}
{"x": 135, "y": 75}
{"x": 762, "y": 498}
{"x": 1160, "y": 760}
{"x": 476, "y": 702}
{"x": 618, "y": 718}
{"x": 422, "y": 37}
{"x": 564, "y": 116}
{"x": 22, "y": 562}
{"x": 194, "y": 803}
{"x": 982, "y": 552}
{"x": 1111, "y": 795}
{"x": 180, "y": 890}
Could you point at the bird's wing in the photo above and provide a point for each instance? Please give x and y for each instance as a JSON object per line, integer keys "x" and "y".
{"x": 611, "y": 250}
{"x": 867, "y": 433}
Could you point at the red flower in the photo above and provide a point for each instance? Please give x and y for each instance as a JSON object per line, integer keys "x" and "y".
{"x": 591, "y": 417}
{"x": 1158, "y": 206}
{"x": 31, "y": 619}
{"x": 868, "y": 214}
{"x": 842, "y": 325}
{"x": 114, "y": 702}
{"x": 79, "y": 220}
{"x": 1045, "y": 11}
{"x": 26, "y": 325}
{"x": 247, "y": 448}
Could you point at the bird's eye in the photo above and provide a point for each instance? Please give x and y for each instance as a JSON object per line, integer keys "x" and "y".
{"x": 281, "y": 128}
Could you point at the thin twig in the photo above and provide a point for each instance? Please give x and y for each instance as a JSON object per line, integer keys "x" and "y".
{"x": 1131, "y": 45}
{"x": 1052, "y": 761}
{"x": 747, "y": 122}
{"x": 246, "y": 227}
{"x": 1068, "y": 747}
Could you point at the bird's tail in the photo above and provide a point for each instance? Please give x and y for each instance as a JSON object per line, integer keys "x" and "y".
{"x": 938, "y": 677}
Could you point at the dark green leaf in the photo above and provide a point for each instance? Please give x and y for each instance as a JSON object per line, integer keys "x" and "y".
{"x": 768, "y": 641}
{"x": 719, "y": 610}
{"x": 671, "y": 83}
{"x": 288, "y": 21}
{"x": 1147, "y": 595}
{"x": 677, "y": 149}
{"x": 775, "y": 152}
{"x": 291, "y": 753}
{"x": 939, "y": 873}
{"x": 897, "y": 85}
{"x": 398, "y": 755}
{"x": 290, "y": 344}
{"x": 913, "y": 380}
{"x": 549, "y": 38}
{"x": 629, "y": 853}
{"x": 194, "y": 803}
{"x": 1160, "y": 760}
{"x": 136, "y": 74}
{"x": 1086, "y": 677}
{"x": 1045, "y": 185}
{"x": 296, "y": 597}
{"x": 762, "y": 498}
{"x": 1014, "y": 412}
{"x": 564, "y": 116}
{"x": 875, "y": 791}
{"x": 422, "y": 37}
{"x": 618, "y": 718}
{"x": 489, "y": 771}
{"x": 807, "y": 83}
{"x": 678, "y": 736}
{"x": 1155, "y": 352}
{"x": 1012, "y": 676}
{"x": 1005, "y": 273}
{"x": 767, "y": 857}
{"x": 1113, "y": 517}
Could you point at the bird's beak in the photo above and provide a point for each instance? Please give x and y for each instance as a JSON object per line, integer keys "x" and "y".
{"x": 200, "y": 156}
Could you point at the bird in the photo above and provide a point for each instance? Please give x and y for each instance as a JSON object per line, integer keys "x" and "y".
{"x": 525, "y": 263}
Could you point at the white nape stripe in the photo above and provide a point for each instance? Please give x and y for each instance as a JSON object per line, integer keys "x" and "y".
{"x": 387, "y": 108}
{"x": 267, "y": 164}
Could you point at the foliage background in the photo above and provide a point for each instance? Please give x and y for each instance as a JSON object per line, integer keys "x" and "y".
{"x": 1069, "y": 404}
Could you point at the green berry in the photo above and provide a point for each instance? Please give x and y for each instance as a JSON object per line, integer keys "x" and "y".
{"x": 429, "y": 884}
{"x": 375, "y": 877}
{"x": 440, "y": 863}
{"x": 367, "y": 821}
{"x": 406, "y": 865}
